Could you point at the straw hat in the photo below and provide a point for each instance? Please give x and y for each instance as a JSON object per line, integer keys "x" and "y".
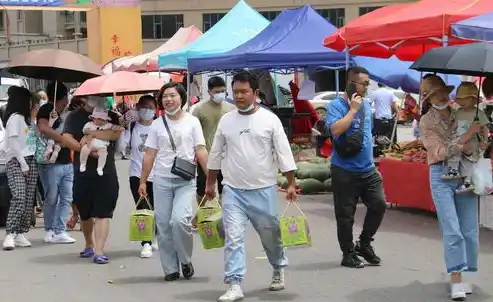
{"x": 466, "y": 90}
{"x": 432, "y": 83}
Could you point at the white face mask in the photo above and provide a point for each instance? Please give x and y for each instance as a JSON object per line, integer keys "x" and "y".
{"x": 441, "y": 107}
{"x": 219, "y": 97}
{"x": 248, "y": 109}
{"x": 172, "y": 113}
{"x": 146, "y": 114}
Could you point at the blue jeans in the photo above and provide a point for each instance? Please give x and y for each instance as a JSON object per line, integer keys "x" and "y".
{"x": 458, "y": 218}
{"x": 260, "y": 207}
{"x": 173, "y": 213}
{"x": 57, "y": 181}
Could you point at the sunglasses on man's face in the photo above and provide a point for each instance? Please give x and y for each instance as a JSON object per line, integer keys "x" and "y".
{"x": 365, "y": 84}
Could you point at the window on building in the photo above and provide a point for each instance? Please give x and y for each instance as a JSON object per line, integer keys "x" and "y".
{"x": 368, "y": 9}
{"x": 270, "y": 15}
{"x": 1, "y": 20}
{"x": 209, "y": 20}
{"x": 160, "y": 26}
{"x": 83, "y": 17}
{"x": 336, "y": 16}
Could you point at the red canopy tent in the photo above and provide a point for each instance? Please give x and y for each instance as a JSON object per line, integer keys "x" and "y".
{"x": 408, "y": 30}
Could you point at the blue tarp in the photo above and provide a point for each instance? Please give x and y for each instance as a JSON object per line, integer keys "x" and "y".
{"x": 239, "y": 25}
{"x": 477, "y": 28}
{"x": 395, "y": 73}
{"x": 293, "y": 39}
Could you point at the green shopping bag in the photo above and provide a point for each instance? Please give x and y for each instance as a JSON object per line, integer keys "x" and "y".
{"x": 207, "y": 208}
{"x": 210, "y": 225}
{"x": 294, "y": 229}
{"x": 142, "y": 223}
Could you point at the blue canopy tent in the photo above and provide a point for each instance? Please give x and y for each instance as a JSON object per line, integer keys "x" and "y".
{"x": 293, "y": 39}
{"x": 477, "y": 28}
{"x": 396, "y": 74}
{"x": 239, "y": 25}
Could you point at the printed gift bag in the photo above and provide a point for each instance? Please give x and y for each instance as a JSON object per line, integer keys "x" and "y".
{"x": 142, "y": 223}
{"x": 482, "y": 177}
{"x": 294, "y": 229}
{"x": 210, "y": 224}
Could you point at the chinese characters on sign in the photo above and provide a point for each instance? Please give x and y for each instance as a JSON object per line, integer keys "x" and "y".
{"x": 115, "y": 50}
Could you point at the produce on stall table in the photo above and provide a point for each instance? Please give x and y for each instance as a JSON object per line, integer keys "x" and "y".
{"x": 312, "y": 176}
{"x": 412, "y": 151}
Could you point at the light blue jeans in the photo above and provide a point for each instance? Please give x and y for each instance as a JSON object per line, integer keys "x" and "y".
{"x": 57, "y": 181}
{"x": 260, "y": 207}
{"x": 458, "y": 218}
{"x": 173, "y": 213}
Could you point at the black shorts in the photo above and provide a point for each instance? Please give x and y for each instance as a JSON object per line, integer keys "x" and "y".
{"x": 95, "y": 196}
{"x": 134, "y": 188}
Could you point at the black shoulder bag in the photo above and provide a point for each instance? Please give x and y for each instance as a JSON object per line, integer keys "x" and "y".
{"x": 350, "y": 145}
{"x": 181, "y": 167}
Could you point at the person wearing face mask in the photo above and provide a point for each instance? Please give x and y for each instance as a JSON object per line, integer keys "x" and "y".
{"x": 56, "y": 176}
{"x": 134, "y": 139}
{"x": 249, "y": 147}
{"x": 209, "y": 113}
{"x": 175, "y": 139}
{"x": 95, "y": 196}
{"x": 457, "y": 213}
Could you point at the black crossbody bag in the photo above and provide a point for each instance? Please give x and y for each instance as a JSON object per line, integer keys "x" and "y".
{"x": 350, "y": 145}
{"x": 181, "y": 167}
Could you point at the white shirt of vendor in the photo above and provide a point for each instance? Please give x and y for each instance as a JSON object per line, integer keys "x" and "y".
{"x": 249, "y": 150}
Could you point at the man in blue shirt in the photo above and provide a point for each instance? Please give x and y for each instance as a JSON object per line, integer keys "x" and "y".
{"x": 355, "y": 177}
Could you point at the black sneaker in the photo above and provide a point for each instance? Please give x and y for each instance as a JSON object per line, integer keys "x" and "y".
{"x": 367, "y": 252}
{"x": 172, "y": 277}
{"x": 351, "y": 260}
{"x": 187, "y": 270}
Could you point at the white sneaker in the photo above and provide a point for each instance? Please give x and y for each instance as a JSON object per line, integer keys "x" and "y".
{"x": 49, "y": 236}
{"x": 8, "y": 242}
{"x": 62, "y": 238}
{"x": 155, "y": 246}
{"x": 457, "y": 292}
{"x": 100, "y": 171}
{"x": 234, "y": 293}
{"x": 82, "y": 168}
{"x": 467, "y": 288}
{"x": 21, "y": 241}
{"x": 146, "y": 251}
{"x": 277, "y": 282}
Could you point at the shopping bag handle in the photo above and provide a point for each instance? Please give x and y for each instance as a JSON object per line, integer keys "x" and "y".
{"x": 296, "y": 205}
{"x": 204, "y": 200}
{"x": 146, "y": 200}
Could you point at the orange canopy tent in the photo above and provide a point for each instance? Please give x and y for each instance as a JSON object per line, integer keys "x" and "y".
{"x": 149, "y": 61}
{"x": 407, "y": 30}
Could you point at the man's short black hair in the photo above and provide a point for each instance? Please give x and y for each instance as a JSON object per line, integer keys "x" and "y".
{"x": 245, "y": 76}
{"x": 61, "y": 91}
{"x": 215, "y": 82}
{"x": 354, "y": 71}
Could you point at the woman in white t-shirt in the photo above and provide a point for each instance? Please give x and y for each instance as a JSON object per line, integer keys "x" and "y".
{"x": 134, "y": 139}
{"x": 173, "y": 194}
{"x": 22, "y": 172}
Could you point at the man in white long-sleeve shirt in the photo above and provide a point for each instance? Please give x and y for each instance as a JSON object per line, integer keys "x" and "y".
{"x": 249, "y": 147}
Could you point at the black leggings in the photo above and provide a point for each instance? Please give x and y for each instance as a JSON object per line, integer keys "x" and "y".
{"x": 134, "y": 187}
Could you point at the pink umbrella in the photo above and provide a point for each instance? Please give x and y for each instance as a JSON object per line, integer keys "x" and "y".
{"x": 120, "y": 83}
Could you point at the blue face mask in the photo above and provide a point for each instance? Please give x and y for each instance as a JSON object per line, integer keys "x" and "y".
{"x": 441, "y": 107}
{"x": 146, "y": 114}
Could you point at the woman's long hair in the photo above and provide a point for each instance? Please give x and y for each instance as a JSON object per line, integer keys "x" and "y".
{"x": 20, "y": 101}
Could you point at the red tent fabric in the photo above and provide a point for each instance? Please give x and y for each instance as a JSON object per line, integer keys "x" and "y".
{"x": 407, "y": 31}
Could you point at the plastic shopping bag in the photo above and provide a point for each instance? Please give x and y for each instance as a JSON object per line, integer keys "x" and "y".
{"x": 142, "y": 226}
{"x": 209, "y": 224}
{"x": 482, "y": 177}
{"x": 294, "y": 229}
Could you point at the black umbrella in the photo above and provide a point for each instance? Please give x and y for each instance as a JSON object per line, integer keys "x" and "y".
{"x": 474, "y": 59}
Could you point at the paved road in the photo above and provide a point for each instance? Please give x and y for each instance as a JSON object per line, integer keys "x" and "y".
{"x": 408, "y": 242}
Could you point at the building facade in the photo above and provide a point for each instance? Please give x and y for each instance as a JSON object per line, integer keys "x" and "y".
{"x": 25, "y": 30}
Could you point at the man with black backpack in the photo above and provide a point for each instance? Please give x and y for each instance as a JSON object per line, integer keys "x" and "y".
{"x": 354, "y": 175}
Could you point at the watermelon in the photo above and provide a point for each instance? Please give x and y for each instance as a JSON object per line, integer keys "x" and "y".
{"x": 328, "y": 185}
{"x": 320, "y": 174}
{"x": 310, "y": 186}
{"x": 318, "y": 160}
{"x": 283, "y": 183}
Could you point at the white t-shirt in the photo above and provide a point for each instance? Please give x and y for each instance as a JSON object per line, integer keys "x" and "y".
{"x": 19, "y": 135}
{"x": 249, "y": 150}
{"x": 383, "y": 100}
{"x": 97, "y": 143}
{"x": 137, "y": 139}
{"x": 187, "y": 134}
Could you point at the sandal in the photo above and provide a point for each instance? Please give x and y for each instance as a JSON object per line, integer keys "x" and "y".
{"x": 87, "y": 253}
{"x": 100, "y": 259}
